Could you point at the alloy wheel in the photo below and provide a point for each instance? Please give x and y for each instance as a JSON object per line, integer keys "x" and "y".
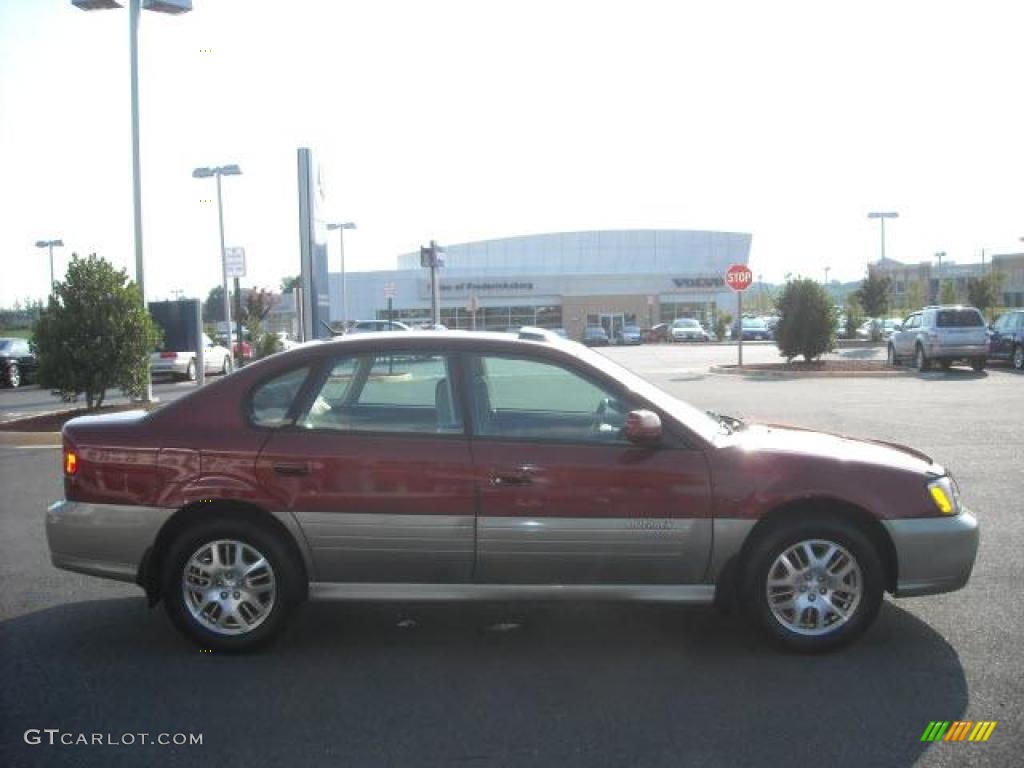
{"x": 14, "y": 376}
{"x": 229, "y": 587}
{"x": 1018, "y": 358}
{"x": 814, "y": 587}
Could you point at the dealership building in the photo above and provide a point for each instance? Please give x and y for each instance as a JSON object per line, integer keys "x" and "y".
{"x": 560, "y": 280}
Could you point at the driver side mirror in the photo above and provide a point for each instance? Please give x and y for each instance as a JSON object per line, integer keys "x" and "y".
{"x": 642, "y": 427}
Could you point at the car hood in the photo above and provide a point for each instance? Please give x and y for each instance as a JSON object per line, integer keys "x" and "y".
{"x": 778, "y": 438}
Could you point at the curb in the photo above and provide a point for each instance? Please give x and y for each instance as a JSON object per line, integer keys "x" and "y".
{"x": 754, "y": 373}
{"x": 30, "y": 438}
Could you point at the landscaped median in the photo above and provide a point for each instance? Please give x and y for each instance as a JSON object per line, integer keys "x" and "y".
{"x": 817, "y": 368}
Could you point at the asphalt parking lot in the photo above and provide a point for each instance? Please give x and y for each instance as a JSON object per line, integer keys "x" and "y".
{"x": 512, "y": 684}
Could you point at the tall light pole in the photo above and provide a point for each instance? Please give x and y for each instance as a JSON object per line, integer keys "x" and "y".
{"x": 341, "y": 226}
{"x": 161, "y": 6}
{"x": 50, "y": 244}
{"x": 882, "y": 216}
{"x": 217, "y": 172}
{"x": 827, "y": 270}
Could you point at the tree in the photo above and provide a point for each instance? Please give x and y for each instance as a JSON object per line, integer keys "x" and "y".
{"x": 213, "y": 306}
{"x": 854, "y": 317}
{"x": 258, "y": 304}
{"x": 722, "y": 323}
{"x": 289, "y": 284}
{"x": 983, "y": 292}
{"x": 95, "y": 334}
{"x": 873, "y": 294}
{"x": 915, "y": 295}
{"x": 948, "y": 295}
{"x": 807, "y": 322}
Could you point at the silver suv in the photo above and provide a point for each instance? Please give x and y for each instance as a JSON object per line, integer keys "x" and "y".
{"x": 941, "y": 335}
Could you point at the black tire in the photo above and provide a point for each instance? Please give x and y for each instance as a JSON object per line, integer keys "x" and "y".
{"x": 921, "y": 361}
{"x": 777, "y": 540}
{"x": 978, "y": 364}
{"x": 13, "y": 378}
{"x": 1017, "y": 357}
{"x": 891, "y": 356}
{"x": 286, "y": 574}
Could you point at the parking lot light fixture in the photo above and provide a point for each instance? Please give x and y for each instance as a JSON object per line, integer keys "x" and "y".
{"x": 51, "y": 244}
{"x": 161, "y": 6}
{"x": 216, "y": 172}
{"x": 341, "y": 227}
{"x": 882, "y": 216}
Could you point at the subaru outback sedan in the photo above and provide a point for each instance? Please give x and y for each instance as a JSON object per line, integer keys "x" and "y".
{"x": 451, "y": 466}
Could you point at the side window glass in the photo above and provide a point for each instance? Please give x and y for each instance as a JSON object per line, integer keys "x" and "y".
{"x": 536, "y": 400}
{"x": 387, "y": 393}
{"x": 270, "y": 401}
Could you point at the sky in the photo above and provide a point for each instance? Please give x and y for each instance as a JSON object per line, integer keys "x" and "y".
{"x": 465, "y": 120}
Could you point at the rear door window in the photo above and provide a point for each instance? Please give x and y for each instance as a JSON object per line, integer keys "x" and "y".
{"x": 958, "y": 318}
{"x": 272, "y": 400}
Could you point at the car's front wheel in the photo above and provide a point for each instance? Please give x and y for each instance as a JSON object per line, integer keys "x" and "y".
{"x": 225, "y": 366}
{"x": 13, "y": 376}
{"x": 921, "y": 361}
{"x": 813, "y": 586}
{"x": 1018, "y": 357}
{"x": 230, "y": 585}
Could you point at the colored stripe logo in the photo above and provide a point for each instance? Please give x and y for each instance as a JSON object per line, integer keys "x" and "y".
{"x": 958, "y": 730}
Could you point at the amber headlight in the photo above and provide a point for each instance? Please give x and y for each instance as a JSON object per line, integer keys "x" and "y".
{"x": 944, "y": 494}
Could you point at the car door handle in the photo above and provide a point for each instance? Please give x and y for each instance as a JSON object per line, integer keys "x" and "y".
{"x": 518, "y": 476}
{"x": 292, "y": 470}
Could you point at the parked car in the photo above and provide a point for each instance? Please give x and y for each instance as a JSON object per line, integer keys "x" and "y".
{"x": 754, "y": 329}
{"x": 1006, "y": 341}
{"x": 244, "y": 349}
{"x": 629, "y": 334}
{"x": 182, "y": 364}
{"x": 658, "y": 333}
{"x": 688, "y": 329}
{"x": 595, "y": 336}
{"x": 474, "y": 465}
{"x": 943, "y": 335}
{"x": 17, "y": 362}
{"x": 884, "y": 328}
{"x": 371, "y": 326}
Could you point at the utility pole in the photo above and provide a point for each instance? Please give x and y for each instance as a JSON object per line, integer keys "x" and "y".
{"x": 432, "y": 257}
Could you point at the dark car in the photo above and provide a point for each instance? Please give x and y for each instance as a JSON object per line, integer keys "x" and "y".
{"x": 17, "y": 362}
{"x": 658, "y": 333}
{"x": 754, "y": 329}
{"x": 1006, "y": 341}
{"x": 448, "y": 466}
{"x": 595, "y": 336}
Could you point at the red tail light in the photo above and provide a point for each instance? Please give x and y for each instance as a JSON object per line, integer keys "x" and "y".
{"x": 168, "y": 355}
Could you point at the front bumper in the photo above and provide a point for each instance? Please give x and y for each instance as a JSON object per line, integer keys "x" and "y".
{"x": 934, "y": 554}
{"x": 106, "y": 540}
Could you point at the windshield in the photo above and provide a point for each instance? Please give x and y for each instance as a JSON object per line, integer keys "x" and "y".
{"x": 686, "y": 324}
{"x": 753, "y": 323}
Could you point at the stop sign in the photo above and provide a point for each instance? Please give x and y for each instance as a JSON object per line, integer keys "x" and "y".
{"x": 739, "y": 277}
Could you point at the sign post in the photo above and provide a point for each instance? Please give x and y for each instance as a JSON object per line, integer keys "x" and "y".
{"x": 739, "y": 278}
{"x": 473, "y": 306}
{"x": 234, "y": 260}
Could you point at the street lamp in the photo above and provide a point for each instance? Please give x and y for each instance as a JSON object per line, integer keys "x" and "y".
{"x": 341, "y": 227}
{"x": 217, "y": 172}
{"x": 882, "y": 216}
{"x": 50, "y": 244}
{"x": 827, "y": 270}
{"x": 162, "y": 6}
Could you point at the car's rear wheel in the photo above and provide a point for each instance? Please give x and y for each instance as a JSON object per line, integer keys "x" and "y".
{"x": 921, "y": 361}
{"x": 978, "y": 364}
{"x": 891, "y": 355}
{"x": 225, "y": 367}
{"x": 1018, "y": 357}
{"x": 190, "y": 372}
{"x": 813, "y": 586}
{"x": 13, "y": 375}
{"x": 229, "y": 585}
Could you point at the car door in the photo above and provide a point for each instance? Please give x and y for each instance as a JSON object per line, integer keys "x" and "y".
{"x": 563, "y": 497}
{"x": 26, "y": 360}
{"x": 903, "y": 340}
{"x": 376, "y": 470}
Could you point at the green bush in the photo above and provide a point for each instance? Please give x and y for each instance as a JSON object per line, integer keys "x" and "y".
{"x": 807, "y": 322}
{"x": 94, "y": 334}
{"x": 722, "y": 323}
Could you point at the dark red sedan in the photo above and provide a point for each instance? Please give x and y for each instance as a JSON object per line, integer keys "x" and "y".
{"x": 448, "y": 466}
